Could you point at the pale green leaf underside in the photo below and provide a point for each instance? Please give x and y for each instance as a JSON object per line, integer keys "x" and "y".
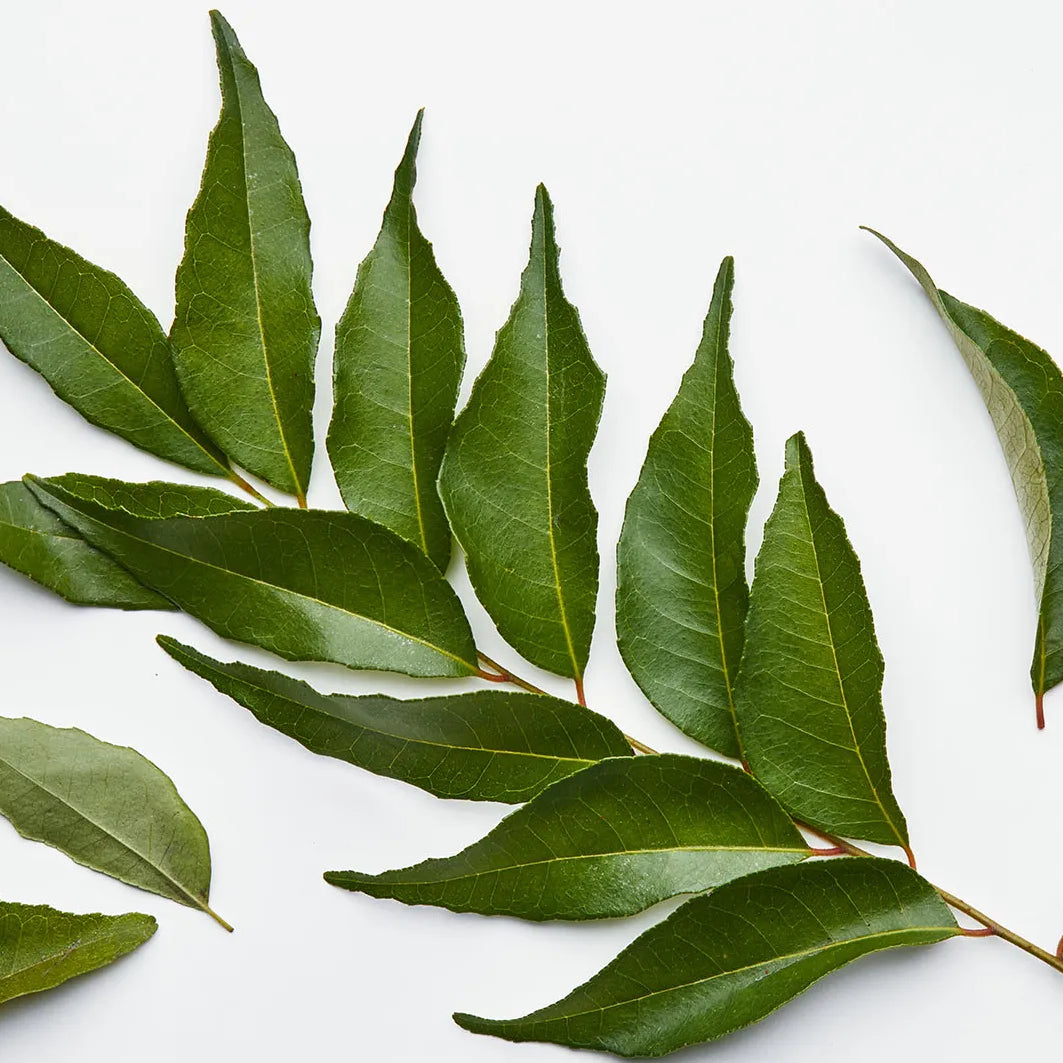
{"x": 681, "y": 594}
{"x": 727, "y": 960}
{"x": 609, "y": 841}
{"x": 809, "y": 694}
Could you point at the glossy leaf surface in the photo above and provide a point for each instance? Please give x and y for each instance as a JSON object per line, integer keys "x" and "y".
{"x": 514, "y": 478}
{"x": 398, "y": 363}
{"x": 1023, "y": 391}
{"x": 97, "y": 345}
{"x": 246, "y": 329}
{"x": 105, "y": 806}
{"x": 308, "y": 585}
{"x": 727, "y": 960}
{"x": 809, "y": 695}
{"x": 681, "y": 594}
{"x": 610, "y": 841}
{"x": 35, "y": 542}
{"x": 40, "y": 947}
{"x": 490, "y": 745}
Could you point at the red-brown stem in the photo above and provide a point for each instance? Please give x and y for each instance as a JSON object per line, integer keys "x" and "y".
{"x": 1059, "y": 950}
{"x": 836, "y": 851}
{"x": 1040, "y": 704}
{"x": 245, "y": 486}
{"x": 491, "y": 677}
{"x": 984, "y": 932}
{"x": 910, "y": 857}
{"x": 300, "y": 498}
{"x": 581, "y": 697}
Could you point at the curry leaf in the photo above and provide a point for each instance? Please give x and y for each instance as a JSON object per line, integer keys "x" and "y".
{"x": 40, "y": 948}
{"x": 809, "y": 694}
{"x": 246, "y": 329}
{"x": 725, "y": 961}
{"x": 35, "y": 542}
{"x": 97, "y": 345}
{"x": 514, "y": 478}
{"x": 681, "y": 593}
{"x": 490, "y": 745}
{"x": 609, "y": 841}
{"x": 398, "y": 363}
{"x": 1023, "y": 392}
{"x": 308, "y": 585}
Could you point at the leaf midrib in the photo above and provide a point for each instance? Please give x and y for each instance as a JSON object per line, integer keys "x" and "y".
{"x": 102, "y": 935}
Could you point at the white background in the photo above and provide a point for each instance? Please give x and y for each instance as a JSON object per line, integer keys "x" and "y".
{"x": 669, "y": 135}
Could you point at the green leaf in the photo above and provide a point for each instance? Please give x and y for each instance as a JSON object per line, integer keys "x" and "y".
{"x": 98, "y": 346}
{"x": 106, "y": 807}
{"x": 609, "y": 841}
{"x": 681, "y": 593}
{"x": 35, "y": 542}
{"x": 154, "y": 500}
{"x": 398, "y": 364}
{"x": 308, "y": 585}
{"x": 809, "y": 694}
{"x": 41, "y": 948}
{"x": 727, "y": 960}
{"x": 514, "y": 478}
{"x": 1023, "y": 392}
{"x": 490, "y": 745}
{"x": 245, "y": 328}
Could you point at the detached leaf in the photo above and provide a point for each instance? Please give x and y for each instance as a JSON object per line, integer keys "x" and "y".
{"x": 809, "y": 694}
{"x": 40, "y": 948}
{"x": 609, "y": 841}
{"x": 35, "y": 542}
{"x": 725, "y": 961}
{"x": 491, "y": 745}
{"x": 514, "y": 478}
{"x": 98, "y": 346}
{"x": 106, "y": 807}
{"x": 681, "y": 593}
{"x": 246, "y": 329}
{"x": 1023, "y": 392}
{"x": 399, "y": 357}
{"x": 308, "y": 585}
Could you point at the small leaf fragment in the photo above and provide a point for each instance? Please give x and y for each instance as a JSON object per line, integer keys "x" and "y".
{"x": 106, "y": 807}
{"x": 98, "y": 346}
{"x": 307, "y": 585}
{"x": 246, "y": 329}
{"x": 727, "y": 960}
{"x": 609, "y": 841}
{"x": 681, "y": 593}
{"x": 489, "y": 745}
{"x": 514, "y": 477}
{"x": 397, "y": 368}
{"x": 809, "y": 693}
{"x": 41, "y": 948}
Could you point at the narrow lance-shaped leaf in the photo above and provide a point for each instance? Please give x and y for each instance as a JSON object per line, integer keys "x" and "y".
{"x": 1023, "y": 392}
{"x": 727, "y": 960}
{"x": 41, "y": 948}
{"x": 399, "y": 358}
{"x": 514, "y": 478}
{"x": 106, "y": 807}
{"x": 809, "y": 694}
{"x": 308, "y": 585}
{"x": 609, "y": 841}
{"x": 490, "y": 745}
{"x": 246, "y": 329}
{"x": 98, "y": 346}
{"x": 681, "y": 593}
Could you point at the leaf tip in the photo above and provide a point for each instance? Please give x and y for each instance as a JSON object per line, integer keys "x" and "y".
{"x": 797, "y": 451}
{"x": 473, "y": 1023}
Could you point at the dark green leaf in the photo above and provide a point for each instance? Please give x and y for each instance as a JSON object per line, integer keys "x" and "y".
{"x": 154, "y": 500}
{"x": 491, "y": 745}
{"x": 608, "y": 841}
{"x": 681, "y": 593}
{"x": 809, "y": 694}
{"x": 724, "y": 961}
{"x": 399, "y": 357}
{"x": 97, "y": 345}
{"x": 35, "y": 542}
{"x": 308, "y": 585}
{"x": 106, "y": 807}
{"x": 1023, "y": 391}
{"x": 40, "y": 948}
{"x": 514, "y": 478}
{"x": 246, "y": 329}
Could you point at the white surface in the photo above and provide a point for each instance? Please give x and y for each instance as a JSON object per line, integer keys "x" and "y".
{"x": 669, "y": 135}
